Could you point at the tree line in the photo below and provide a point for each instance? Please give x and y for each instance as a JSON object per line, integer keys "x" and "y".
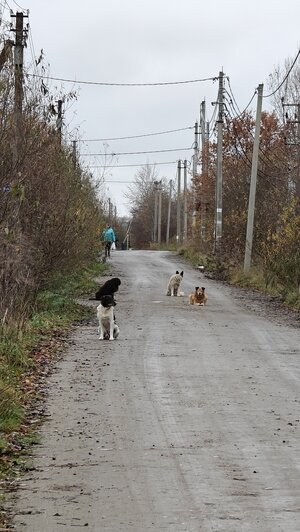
{"x": 50, "y": 209}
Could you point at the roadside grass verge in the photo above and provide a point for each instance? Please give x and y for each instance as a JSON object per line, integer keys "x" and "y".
{"x": 26, "y": 353}
{"x": 256, "y": 279}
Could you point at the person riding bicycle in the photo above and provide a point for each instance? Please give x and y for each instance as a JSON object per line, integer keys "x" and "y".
{"x": 108, "y": 237}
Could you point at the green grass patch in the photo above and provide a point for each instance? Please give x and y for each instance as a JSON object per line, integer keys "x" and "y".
{"x": 55, "y": 309}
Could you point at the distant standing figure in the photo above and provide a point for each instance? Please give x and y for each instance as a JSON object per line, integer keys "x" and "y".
{"x": 108, "y": 237}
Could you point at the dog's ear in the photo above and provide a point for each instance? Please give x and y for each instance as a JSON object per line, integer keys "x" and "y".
{"x": 203, "y": 288}
{"x": 181, "y": 274}
{"x": 177, "y": 272}
{"x": 196, "y": 288}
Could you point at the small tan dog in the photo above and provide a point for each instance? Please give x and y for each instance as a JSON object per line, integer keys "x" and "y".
{"x": 199, "y": 297}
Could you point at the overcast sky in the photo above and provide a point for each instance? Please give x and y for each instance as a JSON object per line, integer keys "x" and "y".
{"x": 150, "y": 41}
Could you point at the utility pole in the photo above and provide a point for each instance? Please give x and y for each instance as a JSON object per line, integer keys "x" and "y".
{"x": 297, "y": 143}
{"x": 194, "y": 174}
{"x": 178, "y": 236}
{"x": 196, "y": 146}
{"x": 18, "y": 97}
{"x": 204, "y": 166}
{"x": 185, "y": 210}
{"x": 298, "y": 155}
{"x": 169, "y": 211}
{"x": 74, "y": 153}
{"x": 155, "y": 232}
{"x": 159, "y": 214}
{"x": 254, "y": 166}
{"x": 219, "y": 180}
{"x": 59, "y": 120}
{"x": 205, "y": 196}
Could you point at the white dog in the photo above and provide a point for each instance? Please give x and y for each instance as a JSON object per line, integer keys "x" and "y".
{"x": 174, "y": 284}
{"x": 108, "y": 329}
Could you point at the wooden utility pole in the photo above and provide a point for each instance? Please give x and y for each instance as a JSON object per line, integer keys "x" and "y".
{"x": 18, "y": 98}
{"x": 251, "y": 204}
{"x": 178, "y": 235}
{"x": 185, "y": 210}
{"x": 169, "y": 211}
{"x": 219, "y": 180}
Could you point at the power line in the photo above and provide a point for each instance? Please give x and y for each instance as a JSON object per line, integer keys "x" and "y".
{"x": 234, "y": 102}
{"x": 267, "y": 160}
{"x": 23, "y": 8}
{"x": 285, "y": 78}
{"x": 109, "y": 84}
{"x": 138, "y": 136}
{"x": 133, "y": 152}
{"x": 130, "y": 165}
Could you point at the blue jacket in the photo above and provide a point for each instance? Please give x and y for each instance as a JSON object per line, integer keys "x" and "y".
{"x": 108, "y": 235}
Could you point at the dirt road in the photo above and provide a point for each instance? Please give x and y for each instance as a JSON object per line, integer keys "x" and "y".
{"x": 188, "y": 422}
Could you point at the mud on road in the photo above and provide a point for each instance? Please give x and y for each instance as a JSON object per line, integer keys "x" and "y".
{"x": 188, "y": 422}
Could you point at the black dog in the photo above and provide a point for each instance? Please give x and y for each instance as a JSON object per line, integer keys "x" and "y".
{"x": 108, "y": 288}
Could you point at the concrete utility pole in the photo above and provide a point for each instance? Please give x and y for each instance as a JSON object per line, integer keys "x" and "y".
{"x": 185, "y": 209}
{"x": 18, "y": 98}
{"x": 159, "y": 214}
{"x": 169, "y": 211}
{"x": 251, "y": 204}
{"x": 178, "y": 235}
{"x": 298, "y": 153}
{"x": 297, "y": 143}
{"x": 196, "y": 150}
{"x": 204, "y": 144}
{"x": 194, "y": 174}
{"x": 219, "y": 180}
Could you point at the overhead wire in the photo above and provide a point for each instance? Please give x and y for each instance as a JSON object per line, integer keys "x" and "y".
{"x": 137, "y": 136}
{"x": 248, "y": 162}
{"x": 18, "y": 5}
{"x": 231, "y": 103}
{"x": 237, "y": 111}
{"x": 285, "y": 77}
{"x": 135, "y": 152}
{"x": 112, "y": 84}
{"x": 132, "y": 165}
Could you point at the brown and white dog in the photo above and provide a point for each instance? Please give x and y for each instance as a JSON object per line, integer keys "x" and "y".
{"x": 108, "y": 329}
{"x": 199, "y": 297}
{"x": 174, "y": 284}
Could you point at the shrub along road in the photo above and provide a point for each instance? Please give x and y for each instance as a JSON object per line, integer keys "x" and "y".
{"x": 188, "y": 422}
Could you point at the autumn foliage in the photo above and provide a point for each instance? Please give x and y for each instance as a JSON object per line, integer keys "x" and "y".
{"x": 49, "y": 211}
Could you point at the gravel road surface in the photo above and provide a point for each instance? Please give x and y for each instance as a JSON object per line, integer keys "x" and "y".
{"x": 188, "y": 422}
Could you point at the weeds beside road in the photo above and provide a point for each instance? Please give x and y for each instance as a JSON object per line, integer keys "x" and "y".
{"x": 27, "y": 356}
